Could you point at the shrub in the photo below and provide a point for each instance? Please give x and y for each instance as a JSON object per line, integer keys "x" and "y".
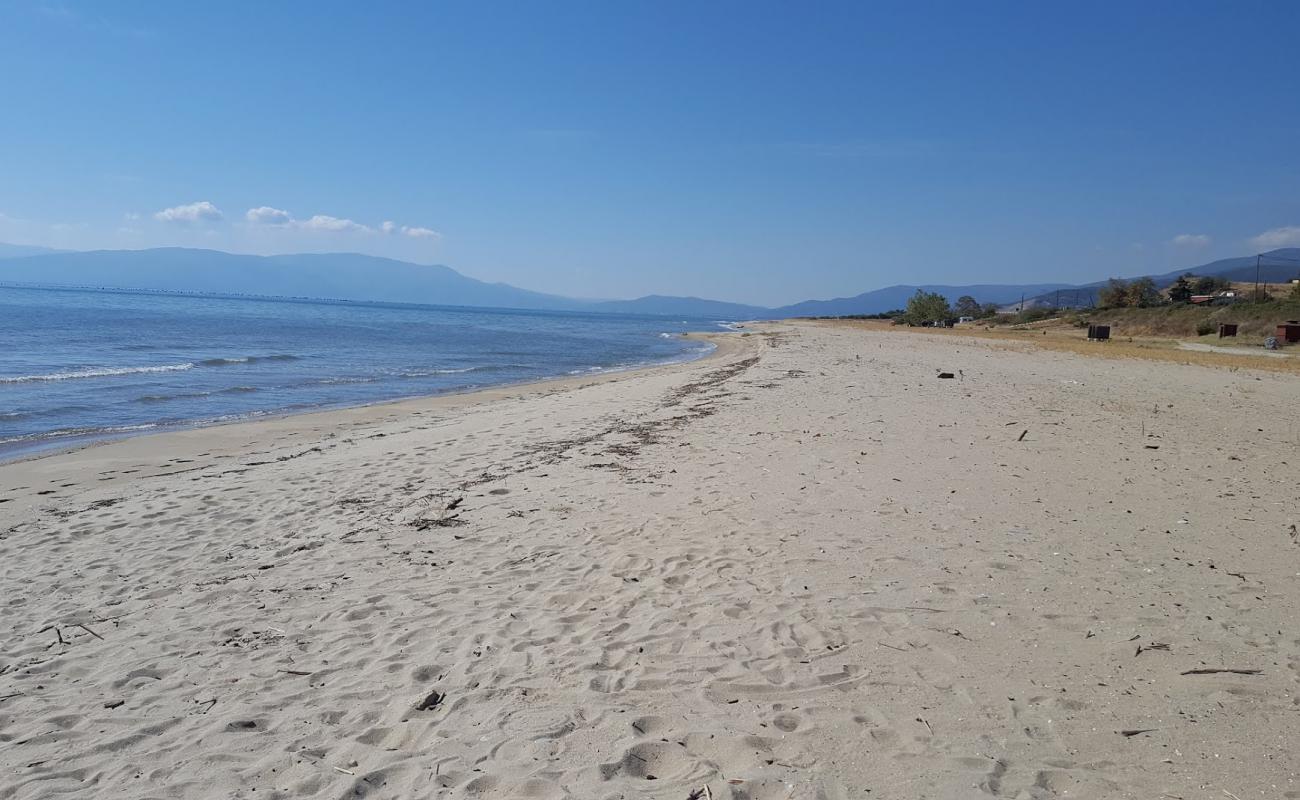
{"x": 1204, "y": 328}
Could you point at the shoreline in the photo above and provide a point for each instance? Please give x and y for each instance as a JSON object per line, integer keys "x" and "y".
{"x": 78, "y": 444}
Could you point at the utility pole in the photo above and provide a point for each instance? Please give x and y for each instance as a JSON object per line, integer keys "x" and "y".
{"x": 1257, "y": 259}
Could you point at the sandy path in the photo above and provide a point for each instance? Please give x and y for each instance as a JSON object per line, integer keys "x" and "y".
{"x": 1235, "y": 351}
{"x": 806, "y": 569}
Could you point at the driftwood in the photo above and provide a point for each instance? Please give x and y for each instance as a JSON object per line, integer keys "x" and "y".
{"x": 88, "y": 630}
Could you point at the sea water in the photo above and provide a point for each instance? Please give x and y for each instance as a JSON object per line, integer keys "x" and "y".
{"x": 88, "y": 364}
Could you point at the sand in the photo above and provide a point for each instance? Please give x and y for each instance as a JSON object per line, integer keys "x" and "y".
{"x": 804, "y": 568}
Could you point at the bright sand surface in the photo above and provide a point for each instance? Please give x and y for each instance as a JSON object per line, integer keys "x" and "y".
{"x": 803, "y": 568}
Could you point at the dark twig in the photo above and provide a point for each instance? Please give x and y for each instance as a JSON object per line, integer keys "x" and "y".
{"x": 1152, "y": 646}
{"x": 1216, "y": 671}
{"x": 88, "y": 630}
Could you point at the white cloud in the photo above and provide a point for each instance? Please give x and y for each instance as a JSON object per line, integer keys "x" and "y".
{"x": 324, "y": 222}
{"x": 1190, "y": 240}
{"x": 420, "y": 233}
{"x": 414, "y": 231}
{"x": 265, "y": 215}
{"x": 202, "y": 211}
{"x": 1286, "y": 236}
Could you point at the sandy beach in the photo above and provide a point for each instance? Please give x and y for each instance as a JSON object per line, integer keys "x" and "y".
{"x": 805, "y": 567}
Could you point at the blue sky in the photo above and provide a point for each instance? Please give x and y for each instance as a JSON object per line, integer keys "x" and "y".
{"x": 739, "y": 150}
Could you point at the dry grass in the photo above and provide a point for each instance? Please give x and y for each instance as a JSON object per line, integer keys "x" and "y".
{"x": 1256, "y": 320}
{"x": 1072, "y": 340}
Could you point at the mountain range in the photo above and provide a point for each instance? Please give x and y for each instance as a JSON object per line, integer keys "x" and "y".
{"x": 352, "y": 276}
{"x": 1275, "y": 266}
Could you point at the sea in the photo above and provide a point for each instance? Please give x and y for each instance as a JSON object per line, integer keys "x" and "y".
{"x": 82, "y": 364}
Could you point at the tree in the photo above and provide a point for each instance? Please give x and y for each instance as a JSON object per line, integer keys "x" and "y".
{"x": 1210, "y": 285}
{"x": 988, "y": 310}
{"x": 927, "y": 307}
{"x": 1181, "y": 291}
{"x": 1295, "y": 290}
{"x": 966, "y": 306}
{"x": 1142, "y": 293}
{"x": 1114, "y": 294}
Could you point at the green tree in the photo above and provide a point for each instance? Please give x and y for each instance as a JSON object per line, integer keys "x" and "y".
{"x": 988, "y": 310}
{"x": 1181, "y": 291}
{"x": 1114, "y": 294}
{"x": 966, "y": 306}
{"x": 1210, "y": 285}
{"x": 927, "y": 307}
{"x": 1143, "y": 293}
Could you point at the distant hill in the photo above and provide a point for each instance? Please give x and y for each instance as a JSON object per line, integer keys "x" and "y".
{"x": 683, "y": 306}
{"x": 892, "y": 297}
{"x": 20, "y": 250}
{"x": 873, "y": 302}
{"x": 1276, "y": 266}
{"x": 352, "y": 276}
{"x": 342, "y": 276}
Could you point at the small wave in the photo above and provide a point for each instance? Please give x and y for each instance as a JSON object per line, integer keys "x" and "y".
{"x": 223, "y": 362}
{"x": 62, "y": 433}
{"x": 340, "y": 380}
{"x": 99, "y": 372}
{"x": 426, "y": 373}
{"x": 166, "y": 398}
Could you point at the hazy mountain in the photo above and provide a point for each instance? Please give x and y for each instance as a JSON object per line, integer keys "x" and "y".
{"x": 1276, "y": 266}
{"x": 892, "y": 297}
{"x": 342, "y": 276}
{"x": 683, "y": 306}
{"x": 20, "y": 250}
{"x": 872, "y": 302}
{"x": 351, "y": 276}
